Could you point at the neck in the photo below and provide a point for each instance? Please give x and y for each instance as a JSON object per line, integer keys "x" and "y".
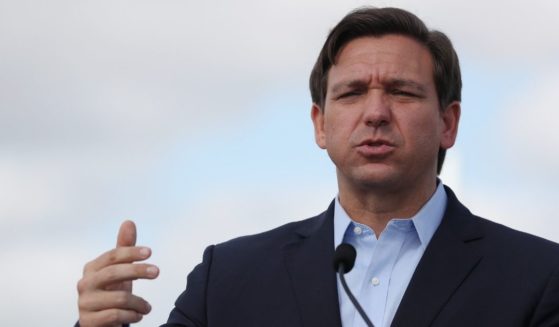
{"x": 376, "y": 206}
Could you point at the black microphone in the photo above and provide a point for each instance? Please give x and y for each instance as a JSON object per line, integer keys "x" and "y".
{"x": 344, "y": 259}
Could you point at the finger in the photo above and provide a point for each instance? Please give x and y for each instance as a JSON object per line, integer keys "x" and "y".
{"x": 98, "y": 301}
{"x": 120, "y": 273}
{"x": 109, "y": 318}
{"x": 126, "y": 234}
{"x": 116, "y": 256}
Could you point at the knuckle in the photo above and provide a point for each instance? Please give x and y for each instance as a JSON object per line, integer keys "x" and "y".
{"x": 113, "y": 316}
{"x": 81, "y": 285}
{"x": 86, "y": 305}
{"x": 122, "y": 299}
{"x": 110, "y": 274}
{"x": 87, "y": 267}
{"x": 112, "y": 257}
{"x": 82, "y": 303}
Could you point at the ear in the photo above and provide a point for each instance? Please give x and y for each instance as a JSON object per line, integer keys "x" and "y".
{"x": 317, "y": 116}
{"x": 450, "y": 118}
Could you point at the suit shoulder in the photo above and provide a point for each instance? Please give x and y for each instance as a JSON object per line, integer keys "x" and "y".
{"x": 515, "y": 240}
{"x": 272, "y": 239}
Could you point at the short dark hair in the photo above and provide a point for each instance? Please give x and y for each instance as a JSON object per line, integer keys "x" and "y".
{"x": 378, "y": 22}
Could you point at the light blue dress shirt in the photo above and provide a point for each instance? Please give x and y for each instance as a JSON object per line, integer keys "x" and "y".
{"x": 384, "y": 266}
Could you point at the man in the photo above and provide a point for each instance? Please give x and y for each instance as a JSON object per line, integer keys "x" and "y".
{"x": 386, "y": 107}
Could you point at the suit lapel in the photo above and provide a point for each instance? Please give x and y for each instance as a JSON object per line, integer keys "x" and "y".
{"x": 309, "y": 263}
{"x": 446, "y": 263}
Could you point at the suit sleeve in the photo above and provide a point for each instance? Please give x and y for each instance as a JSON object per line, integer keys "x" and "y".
{"x": 547, "y": 311}
{"x": 190, "y": 307}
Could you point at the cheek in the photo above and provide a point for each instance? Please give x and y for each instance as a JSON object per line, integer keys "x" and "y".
{"x": 332, "y": 139}
{"x": 425, "y": 134}
{"x": 337, "y": 132}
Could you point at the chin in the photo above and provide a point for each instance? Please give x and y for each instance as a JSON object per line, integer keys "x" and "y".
{"x": 376, "y": 178}
{"x": 378, "y": 183}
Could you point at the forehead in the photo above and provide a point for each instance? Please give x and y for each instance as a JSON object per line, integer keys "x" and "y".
{"x": 383, "y": 58}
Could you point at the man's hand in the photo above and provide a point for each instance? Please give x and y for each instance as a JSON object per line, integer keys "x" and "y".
{"x": 105, "y": 290}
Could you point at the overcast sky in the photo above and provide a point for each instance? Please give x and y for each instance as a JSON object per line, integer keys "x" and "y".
{"x": 192, "y": 118}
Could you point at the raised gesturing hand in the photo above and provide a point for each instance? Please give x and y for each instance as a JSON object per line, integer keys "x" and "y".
{"x": 105, "y": 290}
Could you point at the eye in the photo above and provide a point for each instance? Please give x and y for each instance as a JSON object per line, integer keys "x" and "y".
{"x": 404, "y": 93}
{"x": 349, "y": 94}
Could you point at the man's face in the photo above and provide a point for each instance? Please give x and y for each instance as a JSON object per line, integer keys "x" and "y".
{"x": 381, "y": 122}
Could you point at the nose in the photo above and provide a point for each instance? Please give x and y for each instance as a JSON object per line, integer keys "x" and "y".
{"x": 377, "y": 111}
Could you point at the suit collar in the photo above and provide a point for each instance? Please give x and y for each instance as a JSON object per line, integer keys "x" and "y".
{"x": 449, "y": 258}
{"x": 309, "y": 263}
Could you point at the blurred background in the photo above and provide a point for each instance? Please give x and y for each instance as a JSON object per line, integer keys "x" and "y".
{"x": 192, "y": 119}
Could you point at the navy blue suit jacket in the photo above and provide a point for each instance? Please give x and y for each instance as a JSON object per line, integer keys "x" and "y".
{"x": 473, "y": 273}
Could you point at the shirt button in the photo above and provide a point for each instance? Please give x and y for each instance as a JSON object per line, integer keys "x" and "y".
{"x": 357, "y": 230}
{"x": 375, "y": 281}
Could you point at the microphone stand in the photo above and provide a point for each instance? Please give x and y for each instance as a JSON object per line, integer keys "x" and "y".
{"x": 341, "y": 271}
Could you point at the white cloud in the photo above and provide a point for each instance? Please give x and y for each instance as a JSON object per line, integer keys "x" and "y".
{"x": 529, "y": 128}
{"x": 42, "y": 277}
{"x": 499, "y": 33}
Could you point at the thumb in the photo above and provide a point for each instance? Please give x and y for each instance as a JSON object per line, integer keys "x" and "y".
{"x": 126, "y": 234}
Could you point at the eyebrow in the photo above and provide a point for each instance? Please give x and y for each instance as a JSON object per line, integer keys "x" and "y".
{"x": 352, "y": 84}
{"x": 360, "y": 83}
{"x": 406, "y": 83}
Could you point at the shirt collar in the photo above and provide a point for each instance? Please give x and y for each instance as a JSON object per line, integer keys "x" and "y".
{"x": 426, "y": 220}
